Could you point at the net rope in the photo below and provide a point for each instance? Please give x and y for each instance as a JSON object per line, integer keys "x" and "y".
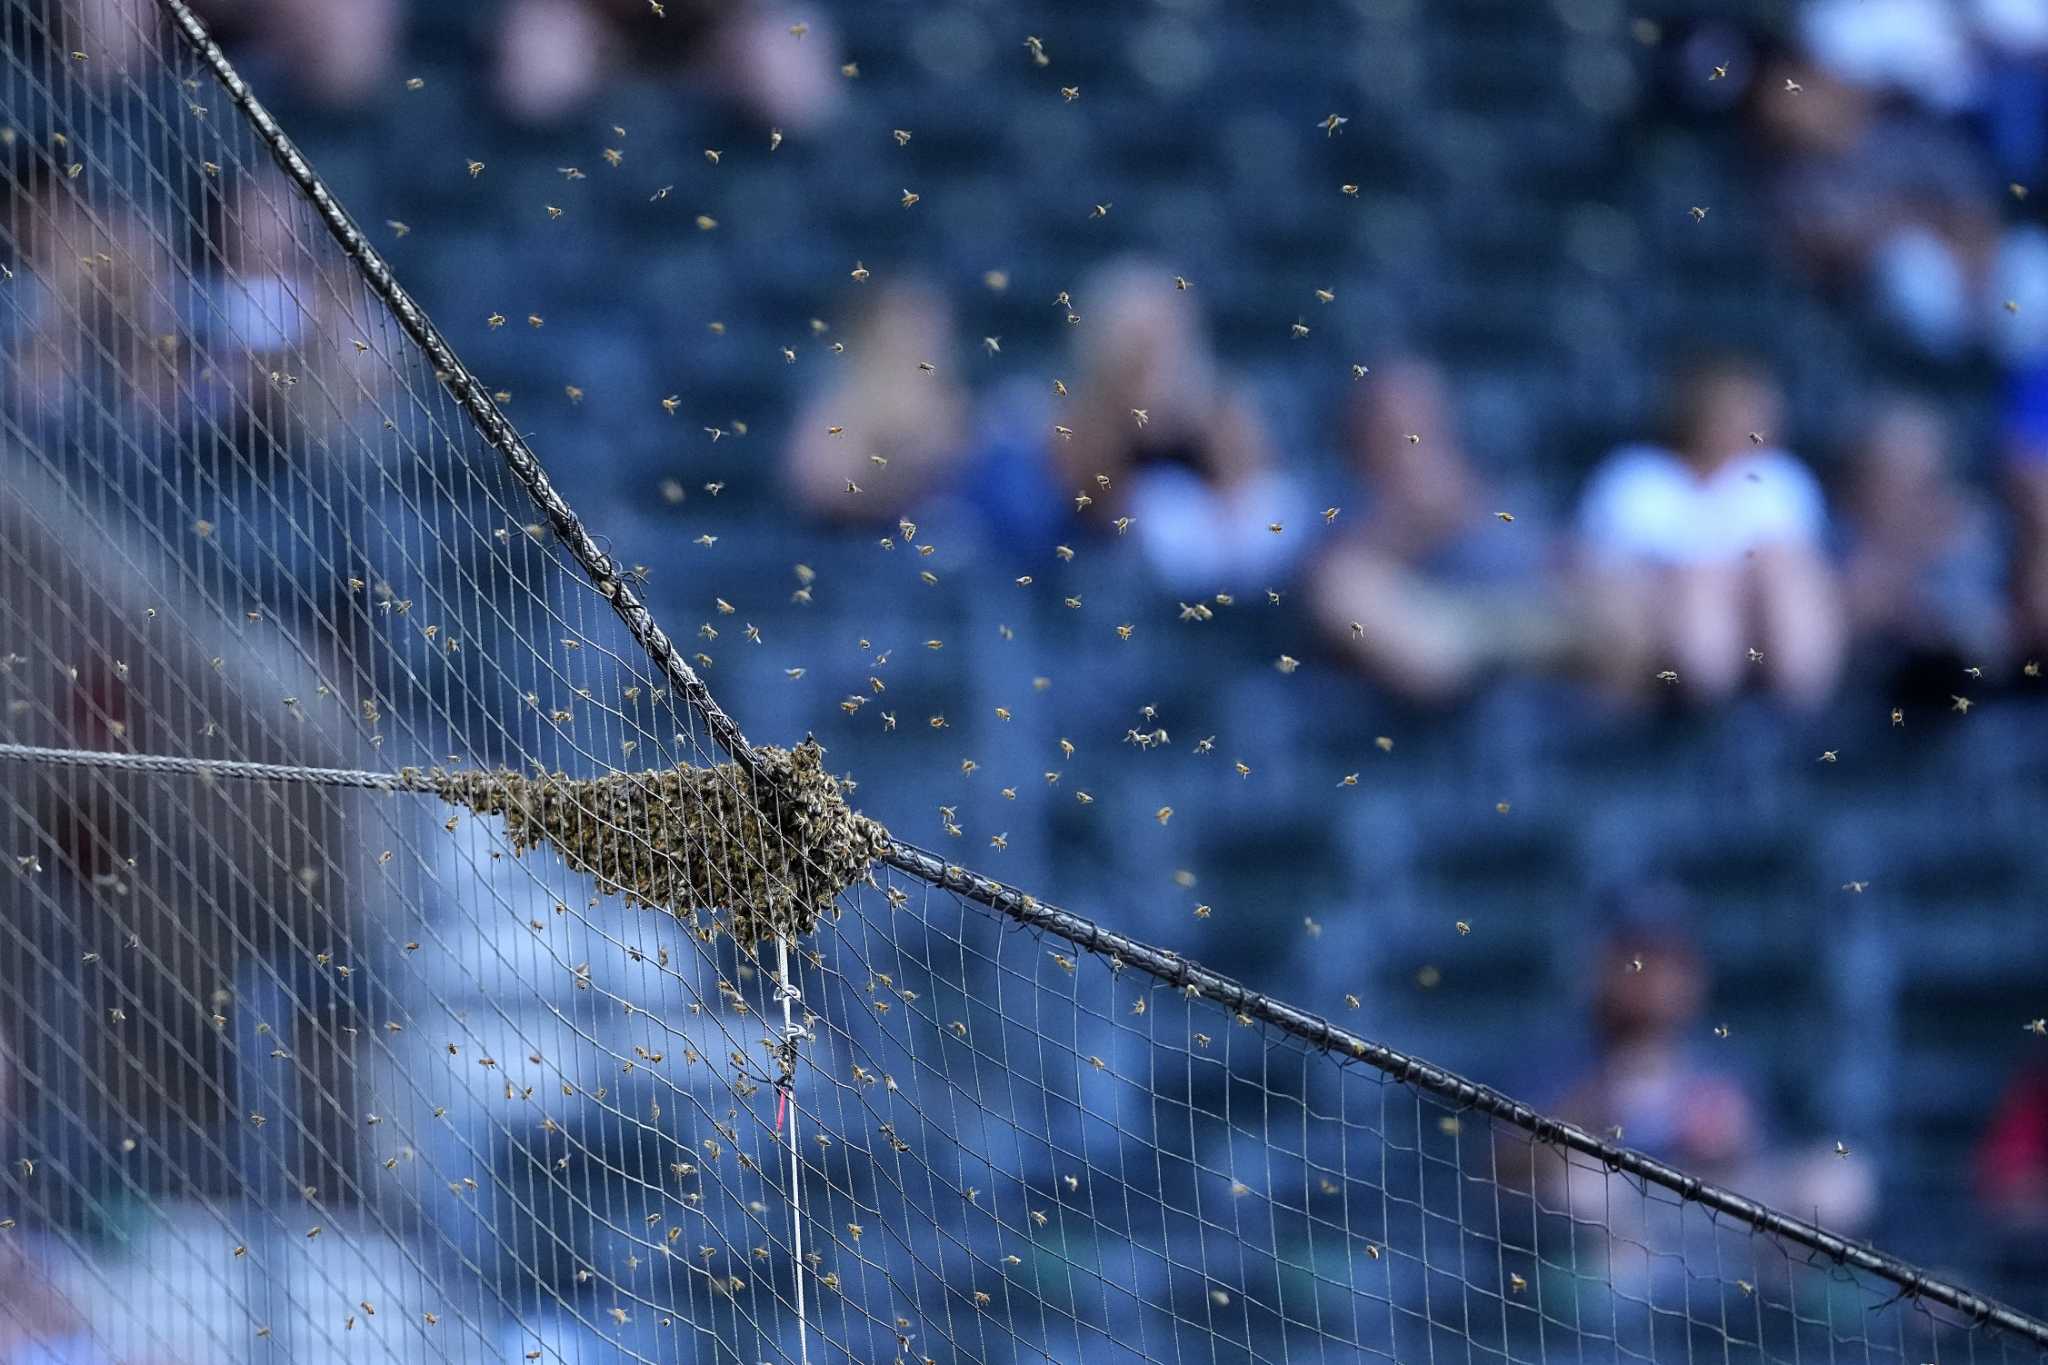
{"x": 293, "y": 1069}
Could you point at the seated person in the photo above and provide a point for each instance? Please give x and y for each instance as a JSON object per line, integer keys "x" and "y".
{"x": 1161, "y": 434}
{"x": 882, "y": 405}
{"x": 1428, "y": 591}
{"x": 1921, "y": 579}
{"x": 1655, "y": 1075}
{"x": 557, "y": 55}
{"x": 2026, "y": 487}
{"x": 1703, "y": 556}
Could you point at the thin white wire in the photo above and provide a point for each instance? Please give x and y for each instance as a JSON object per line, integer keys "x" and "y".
{"x": 787, "y": 990}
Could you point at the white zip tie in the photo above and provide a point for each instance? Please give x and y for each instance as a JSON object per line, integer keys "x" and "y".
{"x": 792, "y": 1033}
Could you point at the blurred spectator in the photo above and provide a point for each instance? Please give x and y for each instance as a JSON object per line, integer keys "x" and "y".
{"x": 338, "y": 54}
{"x": 88, "y": 311}
{"x": 1431, "y": 591}
{"x": 556, "y": 55}
{"x": 1883, "y": 188}
{"x": 1162, "y": 434}
{"x": 1704, "y": 556}
{"x": 1922, "y": 578}
{"x": 1649, "y": 1077}
{"x": 881, "y": 404}
{"x": 2026, "y": 481}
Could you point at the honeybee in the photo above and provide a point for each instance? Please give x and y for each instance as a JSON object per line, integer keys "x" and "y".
{"x": 909, "y": 198}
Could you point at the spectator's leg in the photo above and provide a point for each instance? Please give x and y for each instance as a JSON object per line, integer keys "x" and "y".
{"x": 1703, "y": 628}
{"x": 1801, "y": 619}
{"x": 551, "y": 56}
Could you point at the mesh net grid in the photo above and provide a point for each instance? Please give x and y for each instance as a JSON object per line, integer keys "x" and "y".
{"x": 303, "y": 1070}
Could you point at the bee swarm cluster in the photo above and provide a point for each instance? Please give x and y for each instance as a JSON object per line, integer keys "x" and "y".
{"x": 709, "y": 845}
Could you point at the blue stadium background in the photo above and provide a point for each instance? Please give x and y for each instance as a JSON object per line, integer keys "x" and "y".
{"x": 1525, "y": 171}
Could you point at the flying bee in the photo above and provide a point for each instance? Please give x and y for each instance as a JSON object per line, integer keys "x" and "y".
{"x": 909, "y": 198}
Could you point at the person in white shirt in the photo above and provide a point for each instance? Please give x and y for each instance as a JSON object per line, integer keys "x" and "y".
{"x": 1705, "y": 557}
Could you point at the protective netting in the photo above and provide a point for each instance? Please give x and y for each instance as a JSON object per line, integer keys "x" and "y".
{"x": 298, "y": 1066}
